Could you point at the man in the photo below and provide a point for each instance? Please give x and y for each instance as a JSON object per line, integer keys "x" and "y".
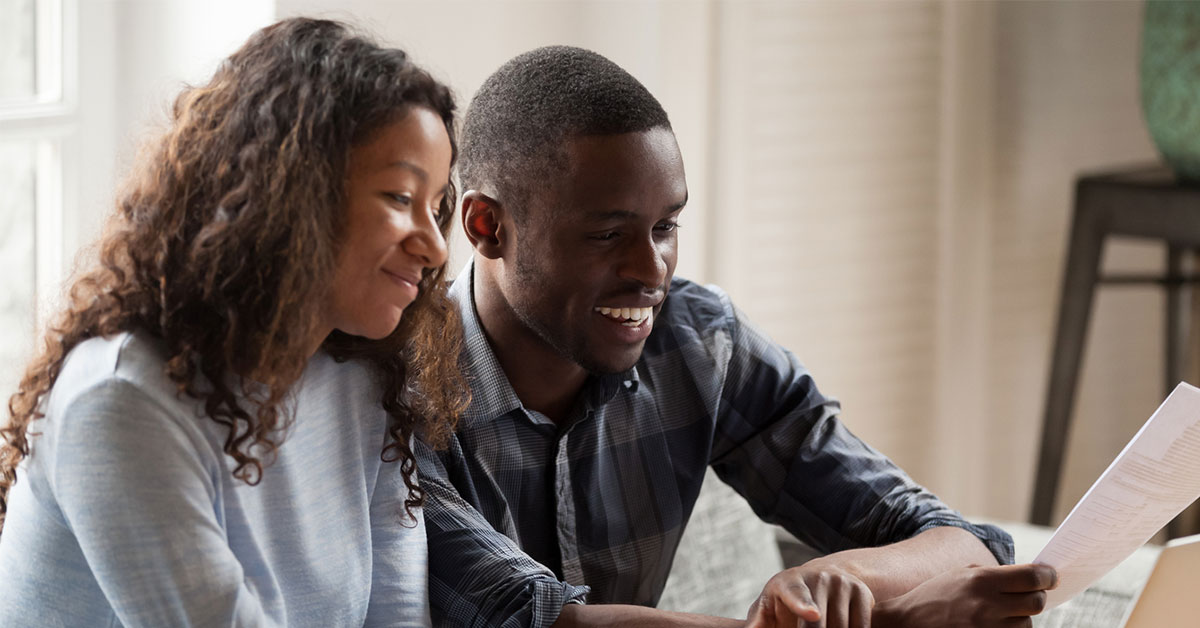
{"x": 603, "y": 388}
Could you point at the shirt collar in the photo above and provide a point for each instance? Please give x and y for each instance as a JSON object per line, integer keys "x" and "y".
{"x": 600, "y": 389}
{"x": 491, "y": 393}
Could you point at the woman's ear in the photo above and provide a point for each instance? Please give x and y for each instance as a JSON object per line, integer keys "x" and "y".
{"x": 482, "y": 220}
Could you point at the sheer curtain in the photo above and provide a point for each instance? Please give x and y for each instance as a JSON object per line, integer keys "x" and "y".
{"x": 828, "y": 154}
{"x": 892, "y": 189}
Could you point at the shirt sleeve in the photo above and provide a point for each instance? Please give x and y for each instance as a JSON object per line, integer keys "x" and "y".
{"x": 477, "y": 575}
{"x": 134, "y": 488}
{"x": 399, "y": 572}
{"x": 780, "y": 444}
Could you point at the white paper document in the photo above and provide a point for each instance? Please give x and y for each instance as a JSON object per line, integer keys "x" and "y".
{"x": 1154, "y": 478}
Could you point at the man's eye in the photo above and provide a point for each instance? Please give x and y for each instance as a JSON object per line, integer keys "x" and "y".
{"x": 666, "y": 227}
{"x": 608, "y": 235}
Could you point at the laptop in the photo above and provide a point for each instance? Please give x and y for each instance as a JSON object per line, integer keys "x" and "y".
{"x": 1170, "y": 597}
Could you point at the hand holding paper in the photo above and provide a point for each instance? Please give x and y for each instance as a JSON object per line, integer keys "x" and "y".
{"x": 1153, "y": 479}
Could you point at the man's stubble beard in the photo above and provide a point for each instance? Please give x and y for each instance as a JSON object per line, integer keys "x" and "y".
{"x": 527, "y": 275}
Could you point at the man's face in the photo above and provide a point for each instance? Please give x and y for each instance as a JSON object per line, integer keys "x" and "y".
{"x": 596, "y": 250}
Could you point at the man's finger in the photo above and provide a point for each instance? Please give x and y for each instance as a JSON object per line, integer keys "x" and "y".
{"x": 796, "y": 597}
{"x": 860, "y": 611}
{"x": 1024, "y": 604}
{"x": 756, "y": 618}
{"x": 1024, "y": 578}
{"x": 839, "y": 596}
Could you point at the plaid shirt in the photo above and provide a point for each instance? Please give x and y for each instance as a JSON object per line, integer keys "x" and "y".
{"x": 518, "y": 507}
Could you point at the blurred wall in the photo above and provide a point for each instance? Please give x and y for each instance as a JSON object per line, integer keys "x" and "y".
{"x": 134, "y": 57}
{"x": 1067, "y": 102}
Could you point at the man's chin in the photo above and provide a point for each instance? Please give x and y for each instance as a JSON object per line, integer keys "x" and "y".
{"x": 612, "y": 363}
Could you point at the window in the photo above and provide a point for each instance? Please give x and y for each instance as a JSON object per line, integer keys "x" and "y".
{"x": 36, "y": 113}
{"x": 18, "y": 63}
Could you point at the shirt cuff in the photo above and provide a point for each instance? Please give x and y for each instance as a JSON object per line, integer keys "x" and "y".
{"x": 549, "y": 597}
{"x": 998, "y": 542}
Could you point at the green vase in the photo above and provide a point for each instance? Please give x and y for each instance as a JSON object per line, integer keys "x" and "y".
{"x": 1170, "y": 77}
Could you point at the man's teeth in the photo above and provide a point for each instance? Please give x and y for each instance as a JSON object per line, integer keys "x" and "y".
{"x": 629, "y": 316}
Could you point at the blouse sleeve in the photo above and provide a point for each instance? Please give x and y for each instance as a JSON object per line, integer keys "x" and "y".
{"x": 400, "y": 573}
{"x": 136, "y": 490}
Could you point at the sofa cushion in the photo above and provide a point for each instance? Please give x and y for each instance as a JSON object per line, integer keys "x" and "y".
{"x": 725, "y": 557}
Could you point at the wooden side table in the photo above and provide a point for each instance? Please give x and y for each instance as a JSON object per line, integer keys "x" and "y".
{"x": 1142, "y": 203}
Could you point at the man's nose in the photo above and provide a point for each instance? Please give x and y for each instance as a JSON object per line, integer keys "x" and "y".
{"x": 644, "y": 262}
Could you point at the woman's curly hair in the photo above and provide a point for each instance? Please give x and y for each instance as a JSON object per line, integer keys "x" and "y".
{"x": 224, "y": 245}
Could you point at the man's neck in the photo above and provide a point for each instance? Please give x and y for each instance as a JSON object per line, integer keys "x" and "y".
{"x": 541, "y": 377}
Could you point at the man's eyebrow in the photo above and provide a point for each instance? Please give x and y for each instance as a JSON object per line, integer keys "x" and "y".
{"x": 614, "y": 214}
{"x": 408, "y": 165}
{"x": 617, "y": 214}
{"x": 678, "y": 206}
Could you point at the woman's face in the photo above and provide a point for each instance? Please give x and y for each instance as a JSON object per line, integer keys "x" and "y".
{"x": 395, "y": 185}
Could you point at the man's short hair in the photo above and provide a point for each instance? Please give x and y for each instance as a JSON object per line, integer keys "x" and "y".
{"x": 520, "y": 119}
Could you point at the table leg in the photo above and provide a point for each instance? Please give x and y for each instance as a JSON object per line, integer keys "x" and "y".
{"x": 1078, "y": 291}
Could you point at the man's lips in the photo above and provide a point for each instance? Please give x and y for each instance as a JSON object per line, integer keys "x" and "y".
{"x": 631, "y": 312}
{"x": 630, "y": 316}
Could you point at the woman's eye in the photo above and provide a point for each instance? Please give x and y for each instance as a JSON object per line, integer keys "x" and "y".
{"x": 403, "y": 199}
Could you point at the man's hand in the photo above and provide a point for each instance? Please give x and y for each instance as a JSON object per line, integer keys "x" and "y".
{"x": 971, "y": 597}
{"x": 817, "y": 592}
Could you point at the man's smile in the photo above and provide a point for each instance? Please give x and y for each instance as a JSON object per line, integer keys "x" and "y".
{"x": 627, "y": 316}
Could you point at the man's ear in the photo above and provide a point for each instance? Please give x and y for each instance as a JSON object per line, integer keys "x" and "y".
{"x": 483, "y": 222}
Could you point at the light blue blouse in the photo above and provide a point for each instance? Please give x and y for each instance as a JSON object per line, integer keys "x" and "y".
{"x": 126, "y": 513}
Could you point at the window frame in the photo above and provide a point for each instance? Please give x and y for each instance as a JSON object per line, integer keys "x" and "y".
{"x": 50, "y": 121}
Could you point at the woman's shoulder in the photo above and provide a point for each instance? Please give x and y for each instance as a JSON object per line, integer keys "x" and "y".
{"x": 113, "y": 394}
{"x": 135, "y": 358}
{"x": 128, "y": 367}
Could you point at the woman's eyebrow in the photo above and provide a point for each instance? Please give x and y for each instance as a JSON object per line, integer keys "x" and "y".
{"x": 408, "y": 165}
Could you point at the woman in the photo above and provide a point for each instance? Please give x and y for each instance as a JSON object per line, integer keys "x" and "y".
{"x": 217, "y": 430}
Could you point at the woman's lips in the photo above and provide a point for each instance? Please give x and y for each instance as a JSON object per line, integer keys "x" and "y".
{"x": 406, "y": 281}
{"x": 405, "y": 276}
